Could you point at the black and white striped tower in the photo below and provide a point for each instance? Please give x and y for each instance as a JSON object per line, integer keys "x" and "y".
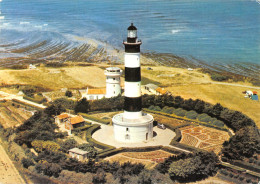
{"x": 133, "y": 98}
{"x": 133, "y": 125}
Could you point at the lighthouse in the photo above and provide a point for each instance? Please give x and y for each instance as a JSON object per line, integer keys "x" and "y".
{"x": 113, "y": 87}
{"x": 132, "y": 125}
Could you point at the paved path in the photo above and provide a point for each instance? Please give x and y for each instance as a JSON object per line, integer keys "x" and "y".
{"x": 238, "y": 85}
{"x": 106, "y": 135}
{"x": 7, "y": 96}
{"x": 8, "y": 172}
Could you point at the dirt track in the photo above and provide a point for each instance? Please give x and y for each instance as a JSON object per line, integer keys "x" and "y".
{"x": 8, "y": 172}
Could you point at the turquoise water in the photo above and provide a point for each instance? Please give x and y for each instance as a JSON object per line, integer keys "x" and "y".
{"x": 213, "y": 31}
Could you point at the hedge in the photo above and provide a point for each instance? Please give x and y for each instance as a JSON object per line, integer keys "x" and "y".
{"x": 108, "y": 153}
{"x": 185, "y": 147}
{"x": 172, "y": 150}
{"x": 246, "y": 165}
{"x": 168, "y": 115}
{"x": 103, "y": 121}
{"x": 82, "y": 128}
{"x": 39, "y": 101}
{"x": 233, "y": 167}
{"x": 26, "y": 104}
{"x": 178, "y": 135}
{"x": 187, "y": 119}
{"x": 191, "y": 114}
{"x": 96, "y": 143}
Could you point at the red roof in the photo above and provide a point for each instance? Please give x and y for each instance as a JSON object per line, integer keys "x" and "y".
{"x": 63, "y": 116}
{"x": 96, "y": 91}
{"x": 76, "y": 120}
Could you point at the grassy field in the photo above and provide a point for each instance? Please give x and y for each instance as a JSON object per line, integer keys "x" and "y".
{"x": 179, "y": 81}
{"x": 196, "y": 85}
{"x": 56, "y": 78}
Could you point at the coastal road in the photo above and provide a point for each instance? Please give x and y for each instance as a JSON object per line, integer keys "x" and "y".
{"x": 238, "y": 85}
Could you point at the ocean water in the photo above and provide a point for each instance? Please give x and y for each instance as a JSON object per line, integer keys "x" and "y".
{"x": 218, "y": 32}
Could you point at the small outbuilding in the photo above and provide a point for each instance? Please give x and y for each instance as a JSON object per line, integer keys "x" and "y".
{"x": 31, "y": 66}
{"x": 61, "y": 118}
{"x": 79, "y": 154}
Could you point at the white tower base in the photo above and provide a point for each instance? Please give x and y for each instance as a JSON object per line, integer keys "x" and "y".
{"x": 133, "y": 130}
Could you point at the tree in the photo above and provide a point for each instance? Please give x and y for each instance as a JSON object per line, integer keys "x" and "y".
{"x": 199, "y": 106}
{"x": 99, "y": 177}
{"x": 68, "y": 144}
{"x": 145, "y": 177}
{"x": 201, "y": 165}
{"x": 54, "y": 110}
{"x": 51, "y": 157}
{"x": 82, "y": 106}
{"x": 92, "y": 152}
{"x": 27, "y": 162}
{"x": 40, "y": 146}
{"x": 49, "y": 169}
{"x": 68, "y": 93}
{"x": 245, "y": 143}
{"x": 217, "y": 109}
{"x": 66, "y": 103}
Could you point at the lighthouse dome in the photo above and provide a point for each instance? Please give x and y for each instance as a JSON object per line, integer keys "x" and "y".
{"x": 132, "y": 27}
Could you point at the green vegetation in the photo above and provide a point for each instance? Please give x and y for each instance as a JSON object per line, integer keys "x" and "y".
{"x": 37, "y": 99}
{"x": 68, "y": 93}
{"x": 103, "y": 121}
{"x": 190, "y": 167}
{"x": 199, "y": 166}
{"x": 64, "y": 102}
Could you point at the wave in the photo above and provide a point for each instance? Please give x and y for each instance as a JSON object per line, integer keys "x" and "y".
{"x": 2, "y": 17}
{"x": 24, "y": 23}
{"x": 174, "y": 31}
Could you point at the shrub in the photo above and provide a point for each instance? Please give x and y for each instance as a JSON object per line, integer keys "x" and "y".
{"x": 168, "y": 110}
{"x": 241, "y": 178}
{"x": 49, "y": 169}
{"x": 36, "y": 99}
{"x": 224, "y": 172}
{"x": 218, "y": 123}
{"x": 68, "y": 93}
{"x": 64, "y": 102}
{"x": 27, "y": 162}
{"x": 204, "y": 118}
{"x": 251, "y": 160}
{"x": 68, "y": 144}
{"x": 40, "y": 146}
{"x": 157, "y": 108}
{"x": 180, "y": 112}
{"x": 231, "y": 175}
{"x": 151, "y": 107}
{"x": 191, "y": 115}
{"x": 248, "y": 180}
{"x": 236, "y": 176}
{"x": 218, "y": 77}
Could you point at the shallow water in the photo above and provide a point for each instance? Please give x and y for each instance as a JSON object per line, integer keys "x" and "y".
{"x": 212, "y": 31}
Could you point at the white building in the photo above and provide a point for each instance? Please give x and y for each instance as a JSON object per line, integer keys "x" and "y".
{"x": 31, "y": 66}
{"x": 93, "y": 94}
{"x": 113, "y": 87}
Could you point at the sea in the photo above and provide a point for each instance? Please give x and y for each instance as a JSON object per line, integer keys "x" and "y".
{"x": 223, "y": 33}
